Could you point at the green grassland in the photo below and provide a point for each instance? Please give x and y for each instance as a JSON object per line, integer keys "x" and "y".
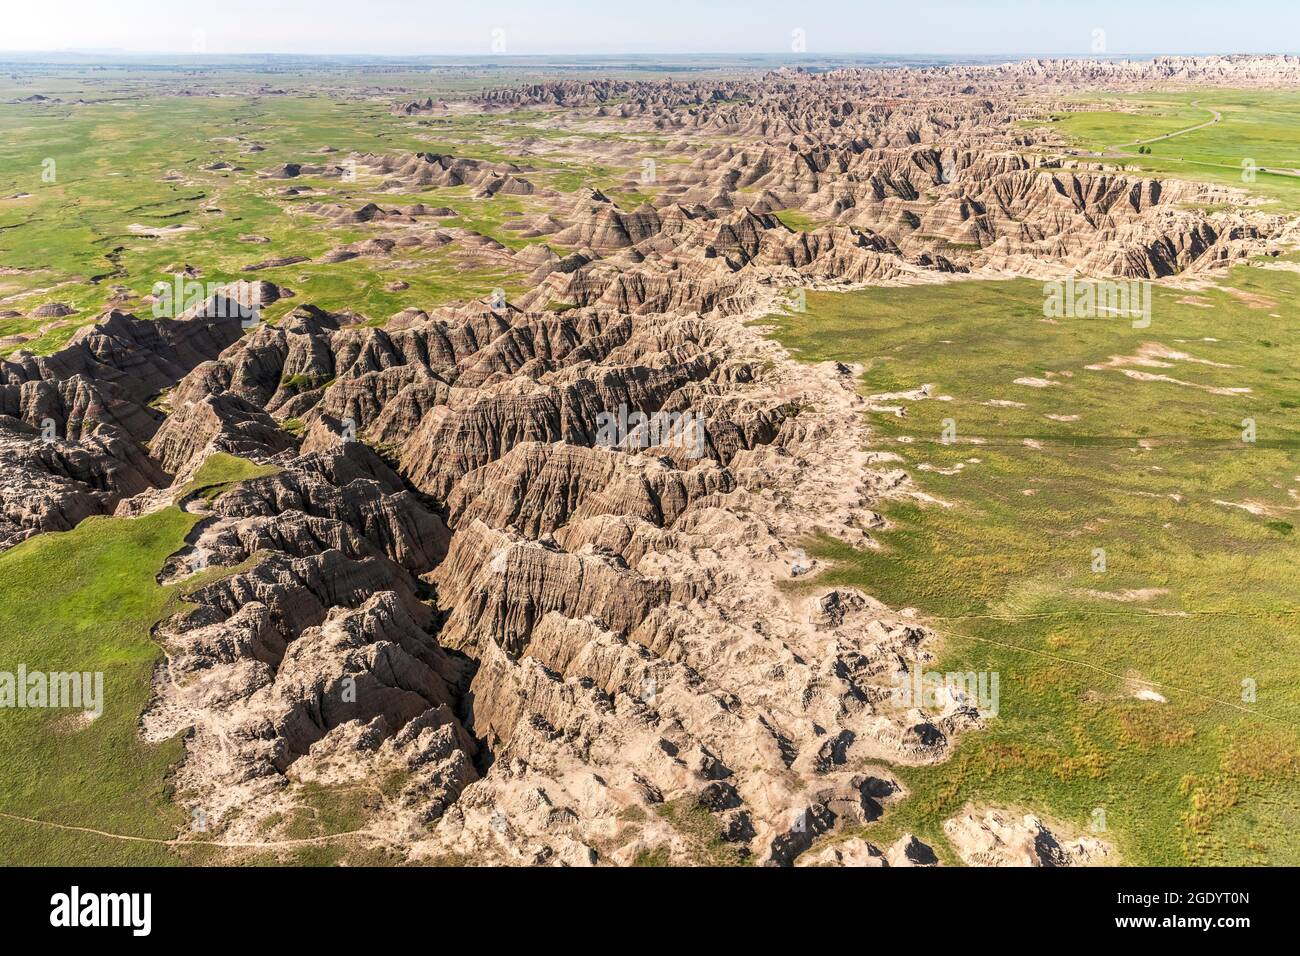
{"x": 86, "y": 600}
{"x": 799, "y": 221}
{"x": 1150, "y": 471}
{"x": 1262, "y": 126}
{"x": 70, "y": 240}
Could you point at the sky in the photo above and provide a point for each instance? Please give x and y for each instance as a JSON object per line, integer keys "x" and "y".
{"x": 480, "y": 27}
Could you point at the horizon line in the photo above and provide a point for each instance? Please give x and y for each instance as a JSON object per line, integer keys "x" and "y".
{"x": 190, "y": 54}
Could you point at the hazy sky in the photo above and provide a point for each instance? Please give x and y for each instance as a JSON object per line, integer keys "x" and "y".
{"x": 406, "y": 27}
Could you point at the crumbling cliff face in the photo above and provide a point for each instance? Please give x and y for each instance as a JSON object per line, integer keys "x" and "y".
{"x": 458, "y": 577}
{"x": 73, "y": 425}
{"x": 485, "y": 579}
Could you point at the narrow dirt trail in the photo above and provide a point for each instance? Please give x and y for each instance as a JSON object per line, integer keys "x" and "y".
{"x": 1217, "y": 118}
{"x": 157, "y": 841}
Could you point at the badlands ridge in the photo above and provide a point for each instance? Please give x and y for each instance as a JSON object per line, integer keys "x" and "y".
{"x": 539, "y": 646}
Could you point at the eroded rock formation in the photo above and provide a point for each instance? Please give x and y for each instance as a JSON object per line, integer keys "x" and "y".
{"x": 482, "y": 583}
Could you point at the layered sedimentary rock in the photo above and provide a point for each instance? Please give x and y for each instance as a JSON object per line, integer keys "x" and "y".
{"x": 590, "y": 611}
{"x": 73, "y": 425}
{"x": 994, "y": 837}
{"x": 529, "y": 572}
